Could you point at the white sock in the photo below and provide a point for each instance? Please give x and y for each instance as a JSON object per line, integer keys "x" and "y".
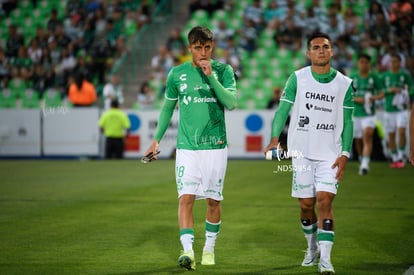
{"x": 365, "y": 162}
{"x": 212, "y": 231}
{"x": 326, "y": 247}
{"x": 187, "y": 242}
{"x": 310, "y": 232}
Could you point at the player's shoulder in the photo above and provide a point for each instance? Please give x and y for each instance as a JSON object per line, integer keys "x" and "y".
{"x": 219, "y": 66}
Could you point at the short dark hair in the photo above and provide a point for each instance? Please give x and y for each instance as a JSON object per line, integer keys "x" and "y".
{"x": 318, "y": 35}
{"x": 200, "y": 34}
{"x": 114, "y": 103}
{"x": 364, "y": 55}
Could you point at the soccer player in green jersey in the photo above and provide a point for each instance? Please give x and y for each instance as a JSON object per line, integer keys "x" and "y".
{"x": 203, "y": 88}
{"x": 320, "y": 136}
{"x": 369, "y": 88}
{"x": 398, "y": 84}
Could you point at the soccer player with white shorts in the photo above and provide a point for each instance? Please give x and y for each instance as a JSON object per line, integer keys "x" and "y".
{"x": 368, "y": 89}
{"x": 320, "y": 102}
{"x": 203, "y": 88}
{"x": 398, "y": 86}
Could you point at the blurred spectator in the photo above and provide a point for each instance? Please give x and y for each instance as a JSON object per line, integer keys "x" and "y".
{"x": 42, "y": 80}
{"x": 73, "y": 28}
{"x": 175, "y": 42}
{"x": 73, "y": 6}
{"x": 401, "y": 9}
{"x": 310, "y": 22}
{"x": 65, "y": 66}
{"x": 289, "y": 36}
{"x": 274, "y": 15}
{"x": 53, "y": 20}
{"x": 146, "y": 97}
{"x": 221, "y": 32}
{"x": 144, "y": 13}
{"x": 370, "y": 15}
{"x": 113, "y": 90}
{"x": 255, "y": 13}
{"x": 82, "y": 93}
{"x": 41, "y": 36}
{"x": 34, "y": 51}
{"x": 23, "y": 59}
{"x": 228, "y": 57}
{"x": 248, "y": 36}
{"x": 343, "y": 55}
{"x": 335, "y": 27}
{"x": 60, "y": 36}
{"x": 4, "y": 66}
{"x": 208, "y": 5}
{"x": 8, "y": 5}
{"x": 379, "y": 32}
{"x": 161, "y": 63}
{"x": 352, "y": 20}
{"x": 84, "y": 66}
{"x": 14, "y": 42}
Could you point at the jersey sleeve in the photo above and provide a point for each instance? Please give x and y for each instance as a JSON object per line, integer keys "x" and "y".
{"x": 348, "y": 130}
{"x": 171, "y": 91}
{"x": 226, "y": 89}
{"x": 289, "y": 92}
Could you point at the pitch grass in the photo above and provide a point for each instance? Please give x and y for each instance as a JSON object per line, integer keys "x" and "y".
{"x": 120, "y": 217}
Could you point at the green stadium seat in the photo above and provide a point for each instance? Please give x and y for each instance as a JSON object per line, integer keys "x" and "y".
{"x": 7, "y": 99}
{"x": 52, "y": 98}
{"x": 30, "y": 99}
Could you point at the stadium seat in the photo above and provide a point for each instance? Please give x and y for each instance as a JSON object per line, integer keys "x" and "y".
{"x": 7, "y": 99}
{"x": 30, "y": 99}
{"x": 52, "y": 98}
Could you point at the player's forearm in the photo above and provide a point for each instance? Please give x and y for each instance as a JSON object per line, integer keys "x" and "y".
{"x": 164, "y": 118}
{"x": 280, "y": 118}
{"x": 227, "y": 98}
{"x": 347, "y": 132}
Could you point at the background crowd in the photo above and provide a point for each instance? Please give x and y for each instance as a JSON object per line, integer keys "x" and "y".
{"x": 46, "y": 44}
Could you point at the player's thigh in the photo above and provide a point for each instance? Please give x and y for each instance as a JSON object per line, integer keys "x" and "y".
{"x": 303, "y": 183}
{"x": 214, "y": 163}
{"x": 357, "y": 127}
{"x": 325, "y": 177}
{"x": 402, "y": 119}
{"x": 368, "y": 122}
{"x": 390, "y": 122}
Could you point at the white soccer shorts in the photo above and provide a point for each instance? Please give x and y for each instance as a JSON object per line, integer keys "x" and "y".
{"x": 201, "y": 172}
{"x": 312, "y": 176}
{"x": 361, "y": 123}
{"x": 396, "y": 120}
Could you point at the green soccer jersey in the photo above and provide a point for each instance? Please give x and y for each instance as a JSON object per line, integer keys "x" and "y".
{"x": 365, "y": 85}
{"x": 201, "y": 115}
{"x": 401, "y": 80}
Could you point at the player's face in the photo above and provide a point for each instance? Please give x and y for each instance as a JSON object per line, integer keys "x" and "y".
{"x": 363, "y": 65}
{"x": 320, "y": 51}
{"x": 201, "y": 51}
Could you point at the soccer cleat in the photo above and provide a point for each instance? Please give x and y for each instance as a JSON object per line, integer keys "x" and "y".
{"x": 363, "y": 171}
{"x": 311, "y": 257}
{"x": 400, "y": 164}
{"x": 325, "y": 268}
{"x": 208, "y": 258}
{"x": 393, "y": 164}
{"x": 186, "y": 260}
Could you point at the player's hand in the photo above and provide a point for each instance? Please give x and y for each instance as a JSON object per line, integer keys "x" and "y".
{"x": 205, "y": 66}
{"x": 340, "y": 163}
{"x": 153, "y": 148}
{"x": 274, "y": 143}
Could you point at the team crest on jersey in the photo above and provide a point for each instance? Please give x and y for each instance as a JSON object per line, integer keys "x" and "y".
{"x": 183, "y": 77}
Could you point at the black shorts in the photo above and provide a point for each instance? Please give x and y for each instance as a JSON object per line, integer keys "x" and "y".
{"x": 114, "y": 148}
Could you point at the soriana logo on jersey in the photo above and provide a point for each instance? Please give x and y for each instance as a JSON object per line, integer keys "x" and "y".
{"x": 254, "y": 140}
{"x": 196, "y": 99}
